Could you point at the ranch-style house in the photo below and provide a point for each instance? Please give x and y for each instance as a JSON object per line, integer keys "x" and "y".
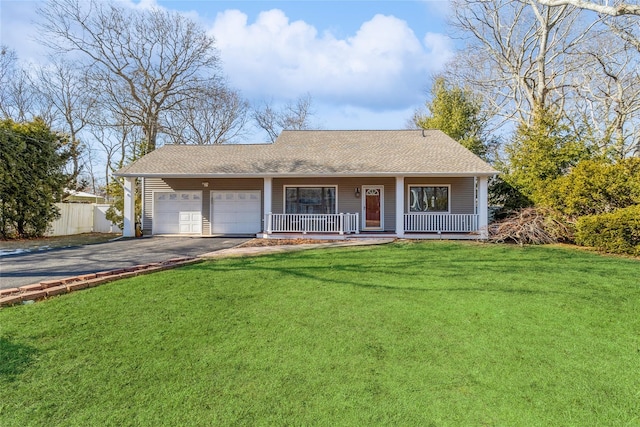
{"x": 314, "y": 183}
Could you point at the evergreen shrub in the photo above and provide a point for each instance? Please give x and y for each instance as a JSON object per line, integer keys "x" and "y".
{"x": 616, "y": 232}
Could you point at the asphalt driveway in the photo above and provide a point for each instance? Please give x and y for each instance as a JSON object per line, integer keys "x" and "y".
{"x": 28, "y": 268}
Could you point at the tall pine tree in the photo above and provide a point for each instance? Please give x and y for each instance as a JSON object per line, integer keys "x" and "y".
{"x": 541, "y": 152}
{"x": 457, "y": 113}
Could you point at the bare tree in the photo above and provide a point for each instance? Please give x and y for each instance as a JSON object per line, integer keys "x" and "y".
{"x": 215, "y": 114}
{"x": 616, "y": 90}
{"x": 156, "y": 55}
{"x": 518, "y": 54}
{"x": 294, "y": 115}
{"x": 609, "y": 94}
{"x": 8, "y": 60}
{"x": 18, "y": 98}
{"x": 89, "y": 175}
{"x": 64, "y": 87}
{"x": 116, "y": 139}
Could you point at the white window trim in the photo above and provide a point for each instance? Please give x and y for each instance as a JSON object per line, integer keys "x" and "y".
{"x": 284, "y": 193}
{"x": 233, "y": 191}
{"x": 448, "y": 211}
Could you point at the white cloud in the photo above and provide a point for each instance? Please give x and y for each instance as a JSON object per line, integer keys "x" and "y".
{"x": 383, "y": 66}
{"x": 439, "y": 46}
{"x": 373, "y": 78}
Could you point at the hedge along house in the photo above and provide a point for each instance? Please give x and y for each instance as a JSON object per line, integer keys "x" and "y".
{"x": 316, "y": 183}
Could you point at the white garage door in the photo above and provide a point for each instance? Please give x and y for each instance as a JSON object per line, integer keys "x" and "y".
{"x": 177, "y": 212}
{"x": 235, "y": 212}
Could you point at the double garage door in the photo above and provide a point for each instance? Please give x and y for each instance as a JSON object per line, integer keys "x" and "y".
{"x": 232, "y": 212}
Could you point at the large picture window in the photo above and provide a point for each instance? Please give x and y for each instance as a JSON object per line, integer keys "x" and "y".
{"x": 434, "y": 198}
{"x": 310, "y": 200}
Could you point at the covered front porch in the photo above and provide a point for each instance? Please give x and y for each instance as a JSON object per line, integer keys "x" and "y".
{"x": 368, "y": 221}
{"x": 349, "y": 223}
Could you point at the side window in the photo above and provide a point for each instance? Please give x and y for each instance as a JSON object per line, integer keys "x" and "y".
{"x": 428, "y": 198}
{"x": 310, "y": 200}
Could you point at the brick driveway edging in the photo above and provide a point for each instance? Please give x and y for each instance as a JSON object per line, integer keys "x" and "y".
{"x": 49, "y": 288}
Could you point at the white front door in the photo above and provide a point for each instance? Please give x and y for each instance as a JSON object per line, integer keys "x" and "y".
{"x": 373, "y": 207}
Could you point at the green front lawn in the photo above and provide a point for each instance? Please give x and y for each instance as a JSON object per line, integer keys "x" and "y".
{"x": 421, "y": 334}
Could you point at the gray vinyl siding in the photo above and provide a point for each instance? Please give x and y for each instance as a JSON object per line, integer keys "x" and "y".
{"x": 347, "y": 201}
{"x": 195, "y": 184}
{"x": 462, "y": 192}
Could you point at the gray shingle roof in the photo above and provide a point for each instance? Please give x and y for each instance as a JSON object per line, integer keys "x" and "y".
{"x": 318, "y": 152}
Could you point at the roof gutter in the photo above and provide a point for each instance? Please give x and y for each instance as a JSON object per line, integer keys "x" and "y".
{"x": 306, "y": 175}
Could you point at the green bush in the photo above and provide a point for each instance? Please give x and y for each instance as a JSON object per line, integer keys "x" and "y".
{"x": 595, "y": 186}
{"x": 617, "y": 232}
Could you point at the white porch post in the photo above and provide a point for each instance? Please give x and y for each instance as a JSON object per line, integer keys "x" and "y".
{"x": 400, "y": 206}
{"x": 266, "y": 195}
{"x": 129, "y": 213}
{"x": 483, "y": 206}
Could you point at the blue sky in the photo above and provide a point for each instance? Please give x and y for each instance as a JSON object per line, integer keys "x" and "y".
{"x": 366, "y": 64}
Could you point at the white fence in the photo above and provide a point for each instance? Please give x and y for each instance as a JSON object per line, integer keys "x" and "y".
{"x": 456, "y": 223}
{"x": 313, "y": 223}
{"x": 76, "y": 218}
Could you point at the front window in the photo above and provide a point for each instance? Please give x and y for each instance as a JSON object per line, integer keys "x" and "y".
{"x": 310, "y": 200}
{"x": 429, "y": 199}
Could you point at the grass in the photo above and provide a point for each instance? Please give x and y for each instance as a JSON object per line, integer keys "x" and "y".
{"x": 405, "y": 334}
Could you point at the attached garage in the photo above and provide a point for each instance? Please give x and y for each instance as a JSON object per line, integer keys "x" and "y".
{"x": 177, "y": 212}
{"x": 236, "y": 212}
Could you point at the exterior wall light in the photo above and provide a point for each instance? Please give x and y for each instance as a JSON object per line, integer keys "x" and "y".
{"x": 357, "y": 193}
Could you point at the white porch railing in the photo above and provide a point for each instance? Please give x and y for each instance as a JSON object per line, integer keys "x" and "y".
{"x": 429, "y": 223}
{"x": 313, "y": 223}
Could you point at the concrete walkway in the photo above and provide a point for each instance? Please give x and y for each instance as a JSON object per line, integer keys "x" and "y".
{"x": 261, "y": 250}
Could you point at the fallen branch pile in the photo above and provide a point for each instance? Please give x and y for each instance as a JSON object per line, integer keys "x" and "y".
{"x": 535, "y": 226}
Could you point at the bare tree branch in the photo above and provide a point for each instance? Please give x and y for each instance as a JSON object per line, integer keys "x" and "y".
{"x": 215, "y": 114}
{"x": 617, "y": 9}
{"x": 294, "y": 115}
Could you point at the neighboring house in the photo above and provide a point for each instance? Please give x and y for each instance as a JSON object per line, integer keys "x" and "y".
{"x": 406, "y": 183}
{"x": 74, "y": 196}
